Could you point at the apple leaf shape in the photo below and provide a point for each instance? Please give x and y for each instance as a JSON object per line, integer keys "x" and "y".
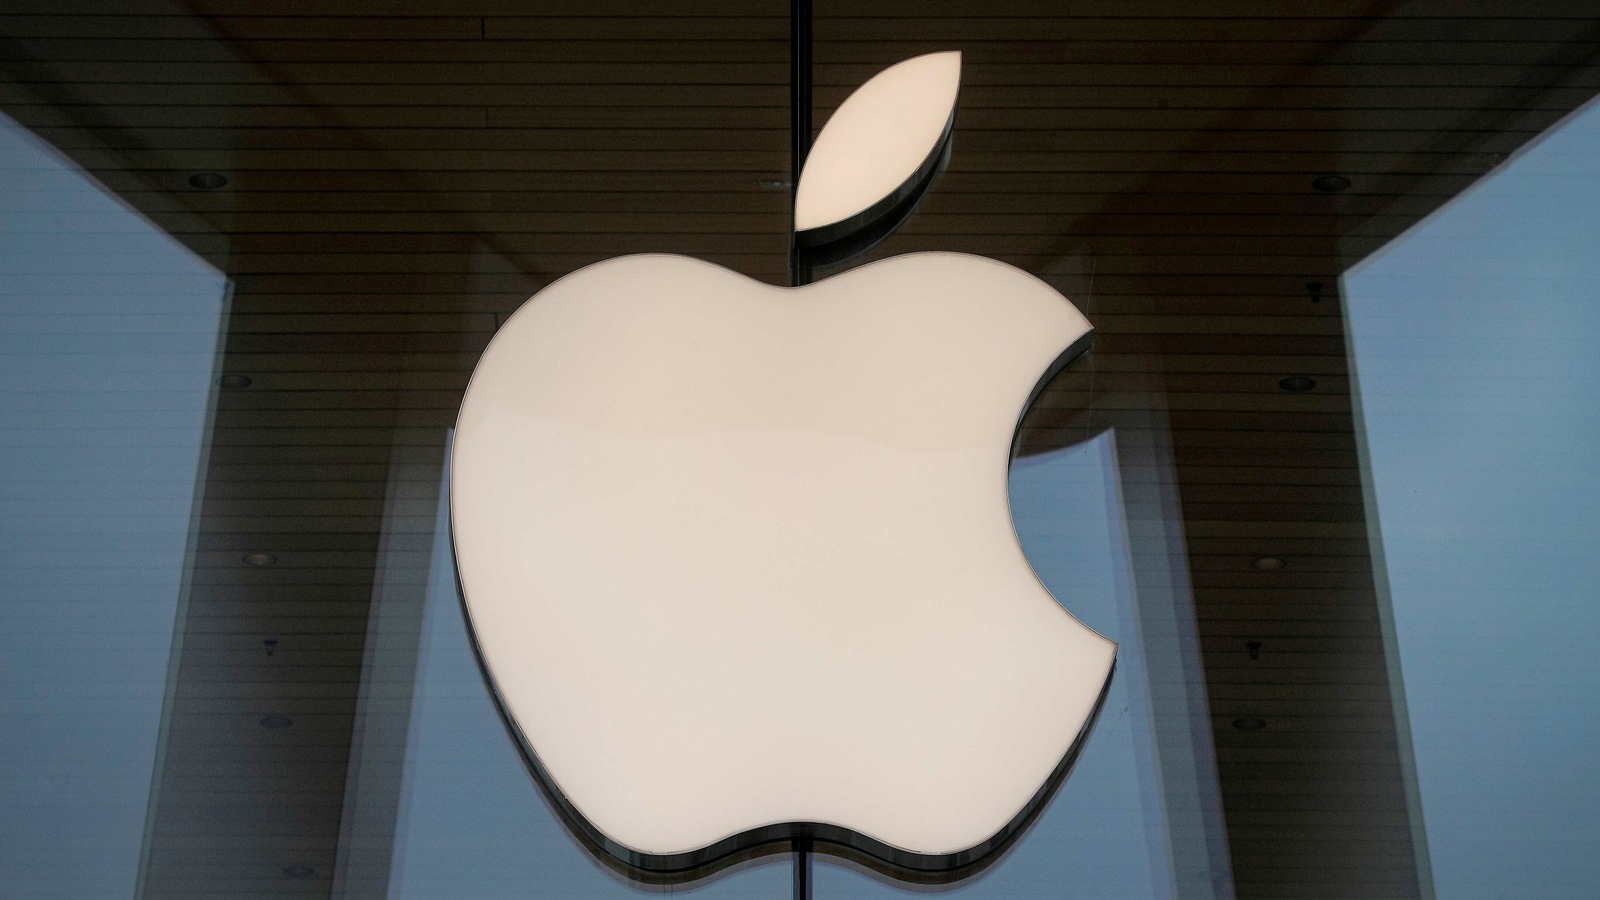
{"x": 879, "y": 150}
{"x": 739, "y": 564}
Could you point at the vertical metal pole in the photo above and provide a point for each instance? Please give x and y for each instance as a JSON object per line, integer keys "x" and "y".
{"x": 802, "y": 869}
{"x": 799, "y": 265}
{"x": 799, "y": 125}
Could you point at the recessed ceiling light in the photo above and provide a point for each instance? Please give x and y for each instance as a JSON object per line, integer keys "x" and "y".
{"x": 260, "y": 559}
{"x": 276, "y": 723}
{"x": 1249, "y": 723}
{"x": 299, "y": 871}
{"x": 234, "y": 382}
{"x": 208, "y": 181}
{"x": 1297, "y": 384}
{"x": 1331, "y": 184}
{"x": 775, "y": 184}
{"x": 1269, "y": 563}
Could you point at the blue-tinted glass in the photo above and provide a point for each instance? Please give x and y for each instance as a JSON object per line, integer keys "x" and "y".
{"x": 108, "y": 342}
{"x": 1474, "y": 340}
{"x": 384, "y": 186}
{"x": 1104, "y": 834}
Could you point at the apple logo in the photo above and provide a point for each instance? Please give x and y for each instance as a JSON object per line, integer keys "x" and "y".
{"x": 738, "y": 560}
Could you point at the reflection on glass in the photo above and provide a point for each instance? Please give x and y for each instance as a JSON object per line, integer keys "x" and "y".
{"x": 108, "y": 342}
{"x": 1474, "y": 340}
{"x": 1126, "y": 822}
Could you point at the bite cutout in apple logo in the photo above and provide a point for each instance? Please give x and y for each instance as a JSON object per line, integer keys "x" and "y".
{"x": 738, "y": 560}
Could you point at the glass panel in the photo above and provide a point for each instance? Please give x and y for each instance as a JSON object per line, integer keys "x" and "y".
{"x": 361, "y": 193}
{"x": 1473, "y": 337}
{"x": 1116, "y": 827}
{"x": 108, "y": 344}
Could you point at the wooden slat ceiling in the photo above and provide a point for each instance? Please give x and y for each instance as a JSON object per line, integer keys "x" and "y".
{"x": 405, "y": 172}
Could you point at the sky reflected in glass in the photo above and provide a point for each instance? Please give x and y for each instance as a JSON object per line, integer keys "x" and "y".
{"x": 108, "y": 344}
{"x": 1104, "y": 834}
{"x": 1474, "y": 340}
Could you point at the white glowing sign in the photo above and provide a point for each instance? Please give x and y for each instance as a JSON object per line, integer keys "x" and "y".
{"x": 739, "y": 559}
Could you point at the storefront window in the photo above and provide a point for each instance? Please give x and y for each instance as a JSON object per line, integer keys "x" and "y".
{"x": 1322, "y": 476}
{"x": 1470, "y": 339}
{"x": 109, "y": 336}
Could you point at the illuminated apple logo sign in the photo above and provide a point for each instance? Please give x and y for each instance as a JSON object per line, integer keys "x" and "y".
{"x": 738, "y": 559}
